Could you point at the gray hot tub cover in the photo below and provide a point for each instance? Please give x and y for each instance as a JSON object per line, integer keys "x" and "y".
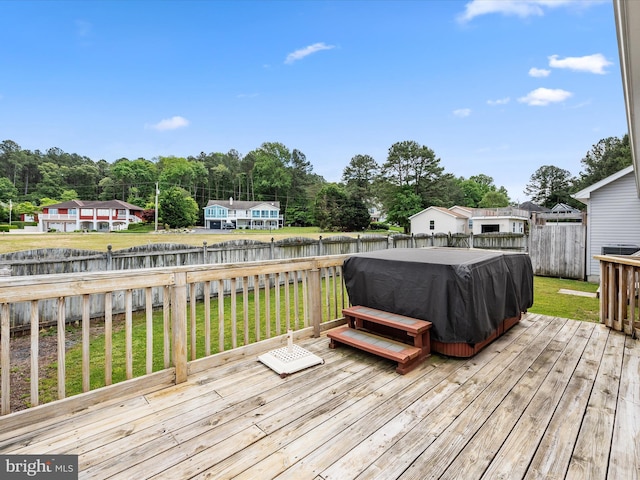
{"x": 465, "y": 293}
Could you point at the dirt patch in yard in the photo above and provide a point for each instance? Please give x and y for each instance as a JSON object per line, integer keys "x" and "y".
{"x": 20, "y": 384}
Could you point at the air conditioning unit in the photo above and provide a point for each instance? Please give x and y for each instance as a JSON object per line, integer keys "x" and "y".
{"x": 619, "y": 249}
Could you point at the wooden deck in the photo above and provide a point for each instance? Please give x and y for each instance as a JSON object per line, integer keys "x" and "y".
{"x": 552, "y": 398}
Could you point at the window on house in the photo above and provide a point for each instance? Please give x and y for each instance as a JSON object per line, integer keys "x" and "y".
{"x": 53, "y": 211}
{"x": 513, "y": 228}
{"x": 490, "y": 228}
{"x": 86, "y": 212}
{"x": 432, "y": 224}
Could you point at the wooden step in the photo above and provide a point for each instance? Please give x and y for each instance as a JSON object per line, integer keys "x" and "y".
{"x": 413, "y": 326}
{"x": 407, "y": 356}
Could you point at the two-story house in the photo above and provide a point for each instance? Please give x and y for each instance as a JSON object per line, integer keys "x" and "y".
{"x": 88, "y": 215}
{"x": 222, "y": 214}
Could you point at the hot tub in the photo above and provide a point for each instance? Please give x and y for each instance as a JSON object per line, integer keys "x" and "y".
{"x": 470, "y": 296}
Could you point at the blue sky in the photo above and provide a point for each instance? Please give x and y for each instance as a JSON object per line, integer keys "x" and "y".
{"x": 495, "y": 87}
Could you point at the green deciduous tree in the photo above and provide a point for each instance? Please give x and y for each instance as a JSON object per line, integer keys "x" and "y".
{"x": 605, "y": 158}
{"x": 177, "y": 208}
{"x": 405, "y": 203}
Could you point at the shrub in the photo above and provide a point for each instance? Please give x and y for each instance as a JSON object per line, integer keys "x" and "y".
{"x": 378, "y": 226}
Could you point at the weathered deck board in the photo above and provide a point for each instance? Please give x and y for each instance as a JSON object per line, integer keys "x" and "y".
{"x": 552, "y": 398}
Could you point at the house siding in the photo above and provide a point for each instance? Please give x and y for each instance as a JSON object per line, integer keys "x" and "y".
{"x": 443, "y": 222}
{"x": 614, "y": 218}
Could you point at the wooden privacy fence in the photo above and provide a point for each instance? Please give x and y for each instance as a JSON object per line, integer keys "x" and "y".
{"x": 619, "y": 293}
{"x": 264, "y": 300}
{"x": 558, "y": 250}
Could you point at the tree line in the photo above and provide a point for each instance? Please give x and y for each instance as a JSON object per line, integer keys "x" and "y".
{"x": 550, "y": 185}
{"x": 410, "y": 179}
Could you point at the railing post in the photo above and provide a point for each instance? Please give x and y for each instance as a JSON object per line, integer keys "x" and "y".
{"x": 179, "y": 325}
{"x": 315, "y": 300}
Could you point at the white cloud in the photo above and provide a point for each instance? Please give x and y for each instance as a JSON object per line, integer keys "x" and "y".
{"x": 595, "y": 63}
{"x": 539, "y": 72}
{"x": 462, "y": 112}
{"x": 306, "y": 51}
{"x": 500, "y": 101}
{"x": 169, "y": 124}
{"x": 518, "y": 8}
{"x": 541, "y": 97}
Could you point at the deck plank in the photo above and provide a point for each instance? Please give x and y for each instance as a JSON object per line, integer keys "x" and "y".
{"x": 590, "y": 456}
{"x": 625, "y": 450}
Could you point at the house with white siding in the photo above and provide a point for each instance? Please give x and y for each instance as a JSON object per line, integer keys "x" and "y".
{"x": 251, "y": 215}
{"x": 613, "y": 210}
{"x": 441, "y": 220}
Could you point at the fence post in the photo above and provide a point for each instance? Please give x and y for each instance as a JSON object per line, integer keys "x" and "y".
{"x": 315, "y": 300}
{"x": 272, "y": 250}
{"x": 358, "y": 244}
{"x": 320, "y": 246}
{"x": 204, "y": 252}
{"x": 179, "y": 325}
{"x": 109, "y": 257}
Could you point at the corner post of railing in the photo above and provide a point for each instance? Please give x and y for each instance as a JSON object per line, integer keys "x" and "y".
{"x": 179, "y": 325}
{"x": 315, "y": 300}
{"x": 109, "y": 257}
{"x": 204, "y": 252}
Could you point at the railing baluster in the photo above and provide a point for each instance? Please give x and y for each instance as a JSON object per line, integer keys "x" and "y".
{"x": 278, "y": 281}
{"x": 287, "y": 302}
{"x": 305, "y": 299}
{"x": 192, "y": 326}
{"x": 128, "y": 329}
{"x": 207, "y": 317}
{"x": 256, "y": 305}
{"x": 267, "y": 305}
{"x": 5, "y": 358}
{"x": 245, "y": 307}
{"x": 35, "y": 352}
{"x": 148, "y": 304}
{"x": 86, "y": 338}
{"x": 220, "y": 315}
{"x": 61, "y": 349}
{"x": 234, "y": 313}
{"x": 296, "y": 300}
{"x": 179, "y": 325}
{"x": 108, "y": 338}
{"x": 166, "y": 320}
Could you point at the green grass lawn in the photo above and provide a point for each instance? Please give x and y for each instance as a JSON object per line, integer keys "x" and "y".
{"x": 548, "y": 301}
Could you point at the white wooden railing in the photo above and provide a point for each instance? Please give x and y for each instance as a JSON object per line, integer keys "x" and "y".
{"x": 619, "y": 293}
{"x": 255, "y": 301}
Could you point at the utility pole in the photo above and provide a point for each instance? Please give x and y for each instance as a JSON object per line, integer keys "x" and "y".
{"x": 10, "y": 210}
{"x": 157, "y": 193}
